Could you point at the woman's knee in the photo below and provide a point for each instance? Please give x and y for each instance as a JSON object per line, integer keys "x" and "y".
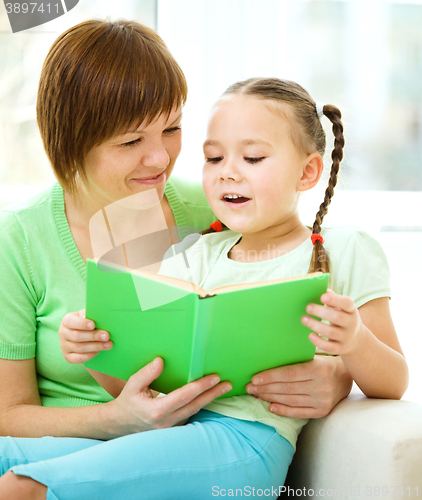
{"x": 14, "y": 487}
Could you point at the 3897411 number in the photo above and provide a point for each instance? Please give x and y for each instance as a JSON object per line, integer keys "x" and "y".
{"x": 32, "y": 7}
{"x": 403, "y": 491}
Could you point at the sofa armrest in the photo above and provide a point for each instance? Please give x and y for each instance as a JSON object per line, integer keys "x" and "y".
{"x": 363, "y": 444}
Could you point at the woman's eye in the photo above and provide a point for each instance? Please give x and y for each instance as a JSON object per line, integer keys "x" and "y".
{"x": 172, "y": 129}
{"x": 214, "y": 160}
{"x": 131, "y": 143}
{"x": 254, "y": 160}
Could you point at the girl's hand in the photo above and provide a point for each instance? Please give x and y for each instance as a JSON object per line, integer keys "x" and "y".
{"x": 79, "y": 339}
{"x": 345, "y": 331}
{"x": 303, "y": 390}
{"x": 135, "y": 410}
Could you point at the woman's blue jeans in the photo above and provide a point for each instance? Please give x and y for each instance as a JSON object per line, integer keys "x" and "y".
{"x": 206, "y": 458}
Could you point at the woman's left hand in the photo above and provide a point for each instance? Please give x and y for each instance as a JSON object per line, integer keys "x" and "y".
{"x": 345, "y": 329}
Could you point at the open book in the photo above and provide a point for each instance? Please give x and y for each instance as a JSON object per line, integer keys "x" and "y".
{"x": 234, "y": 331}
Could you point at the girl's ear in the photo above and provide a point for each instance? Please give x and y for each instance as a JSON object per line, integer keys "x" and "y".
{"x": 311, "y": 173}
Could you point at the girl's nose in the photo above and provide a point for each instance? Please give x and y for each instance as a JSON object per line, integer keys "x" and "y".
{"x": 229, "y": 172}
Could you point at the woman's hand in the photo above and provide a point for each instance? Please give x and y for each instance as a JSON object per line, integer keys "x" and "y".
{"x": 303, "y": 390}
{"x": 79, "y": 339}
{"x": 135, "y": 410}
{"x": 345, "y": 333}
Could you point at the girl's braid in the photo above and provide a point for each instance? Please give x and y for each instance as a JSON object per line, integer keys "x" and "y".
{"x": 319, "y": 259}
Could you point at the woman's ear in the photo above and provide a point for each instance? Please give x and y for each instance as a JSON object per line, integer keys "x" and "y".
{"x": 312, "y": 171}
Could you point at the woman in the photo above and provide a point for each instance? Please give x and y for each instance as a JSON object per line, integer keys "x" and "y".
{"x": 109, "y": 111}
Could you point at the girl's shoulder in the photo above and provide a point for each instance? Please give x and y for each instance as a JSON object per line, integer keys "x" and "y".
{"x": 221, "y": 236}
{"x": 220, "y": 240}
{"x": 209, "y": 248}
{"x": 358, "y": 264}
{"x": 339, "y": 238}
{"x": 196, "y": 243}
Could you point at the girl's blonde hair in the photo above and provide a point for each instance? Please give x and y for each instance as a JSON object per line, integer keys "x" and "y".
{"x": 308, "y": 135}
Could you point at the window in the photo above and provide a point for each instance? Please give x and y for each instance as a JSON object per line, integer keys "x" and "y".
{"x": 365, "y": 56}
{"x": 24, "y": 167}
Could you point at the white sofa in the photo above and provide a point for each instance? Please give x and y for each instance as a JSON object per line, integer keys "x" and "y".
{"x": 363, "y": 449}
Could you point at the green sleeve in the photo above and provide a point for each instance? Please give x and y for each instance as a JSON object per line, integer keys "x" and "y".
{"x": 189, "y": 204}
{"x": 18, "y": 298}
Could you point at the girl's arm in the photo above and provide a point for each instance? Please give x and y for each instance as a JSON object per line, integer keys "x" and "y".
{"x": 366, "y": 340}
{"x": 21, "y": 413}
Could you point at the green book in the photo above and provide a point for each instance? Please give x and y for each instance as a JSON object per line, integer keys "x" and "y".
{"x": 234, "y": 331}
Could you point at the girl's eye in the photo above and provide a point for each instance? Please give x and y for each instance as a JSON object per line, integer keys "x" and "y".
{"x": 172, "y": 130}
{"x": 254, "y": 160}
{"x": 214, "y": 160}
{"x": 131, "y": 143}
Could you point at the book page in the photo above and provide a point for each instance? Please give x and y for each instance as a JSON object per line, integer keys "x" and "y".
{"x": 170, "y": 280}
{"x": 241, "y": 286}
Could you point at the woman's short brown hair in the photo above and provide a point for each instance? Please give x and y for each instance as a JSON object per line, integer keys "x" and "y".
{"x": 99, "y": 79}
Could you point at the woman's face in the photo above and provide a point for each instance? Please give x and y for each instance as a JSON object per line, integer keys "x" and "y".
{"x": 135, "y": 161}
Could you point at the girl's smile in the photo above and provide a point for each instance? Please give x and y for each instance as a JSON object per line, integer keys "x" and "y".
{"x": 235, "y": 201}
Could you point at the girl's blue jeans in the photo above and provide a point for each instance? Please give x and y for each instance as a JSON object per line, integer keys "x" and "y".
{"x": 203, "y": 459}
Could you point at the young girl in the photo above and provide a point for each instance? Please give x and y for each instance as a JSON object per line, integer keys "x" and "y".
{"x": 264, "y": 147}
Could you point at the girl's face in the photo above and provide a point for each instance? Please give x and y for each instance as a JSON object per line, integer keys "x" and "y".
{"x": 135, "y": 161}
{"x": 253, "y": 170}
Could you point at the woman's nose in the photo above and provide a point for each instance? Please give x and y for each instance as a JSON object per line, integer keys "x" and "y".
{"x": 156, "y": 156}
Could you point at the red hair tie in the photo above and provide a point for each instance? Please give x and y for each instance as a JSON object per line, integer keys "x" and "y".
{"x": 217, "y": 226}
{"x": 316, "y": 237}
